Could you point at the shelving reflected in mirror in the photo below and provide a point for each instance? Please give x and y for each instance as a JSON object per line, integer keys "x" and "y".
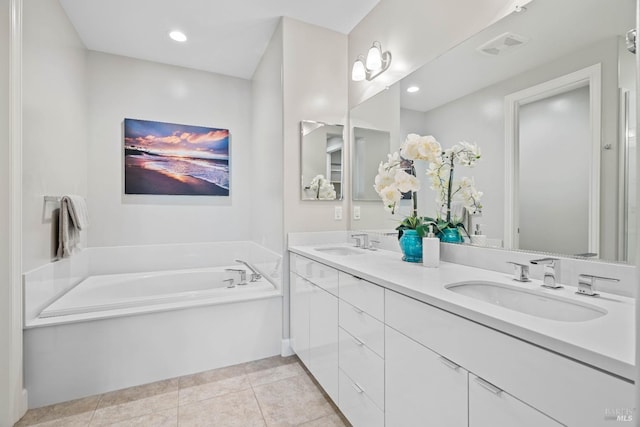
{"x": 321, "y": 158}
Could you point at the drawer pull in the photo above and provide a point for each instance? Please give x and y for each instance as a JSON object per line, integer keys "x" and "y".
{"x": 358, "y": 388}
{"x": 449, "y": 363}
{"x": 358, "y": 341}
{"x": 487, "y": 385}
{"x": 357, "y": 310}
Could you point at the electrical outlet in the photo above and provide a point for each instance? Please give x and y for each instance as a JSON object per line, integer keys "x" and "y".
{"x": 337, "y": 213}
{"x": 356, "y": 212}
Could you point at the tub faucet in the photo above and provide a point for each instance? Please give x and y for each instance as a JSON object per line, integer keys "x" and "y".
{"x": 255, "y": 274}
{"x": 241, "y": 272}
{"x": 551, "y": 272}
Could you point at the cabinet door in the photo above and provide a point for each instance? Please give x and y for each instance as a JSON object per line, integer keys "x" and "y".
{"x": 490, "y": 406}
{"x": 301, "y": 291}
{"x": 323, "y": 340}
{"x": 422, "y": 388}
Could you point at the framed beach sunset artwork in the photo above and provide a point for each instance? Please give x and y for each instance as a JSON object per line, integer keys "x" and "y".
{"x": 173, "y": 159}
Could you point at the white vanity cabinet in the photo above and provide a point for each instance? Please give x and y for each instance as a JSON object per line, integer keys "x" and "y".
{"x": 511, "y": 382}
{"x": 422, "y": 387}
{"x": 390, "y": 360}
{"x": 314, "y": 321}
{"x": 361, "y": 350}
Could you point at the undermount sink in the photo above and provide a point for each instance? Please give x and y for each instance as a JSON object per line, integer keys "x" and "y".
{"x": 528, "y": 301}
{"x": 339, "y": 250}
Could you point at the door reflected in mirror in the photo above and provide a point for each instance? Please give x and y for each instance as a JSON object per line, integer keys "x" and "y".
{"x": 321, "y": 157}
{"x": 370, "y": 147}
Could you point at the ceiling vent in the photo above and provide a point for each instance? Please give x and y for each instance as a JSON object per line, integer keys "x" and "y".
{"x": 502, "y": 43}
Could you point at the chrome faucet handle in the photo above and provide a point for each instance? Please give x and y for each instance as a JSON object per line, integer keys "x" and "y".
{"x": 255, "y": 274}
{"x": 242, "y": 272}
{"x": 362, "y": 240}
{"x": 520, "y": 271}
{"x": 587, "y": 284}
{"x": 550, "y": 272}
{"x": 372, "y": 244}
{"x": 230, "y": 283}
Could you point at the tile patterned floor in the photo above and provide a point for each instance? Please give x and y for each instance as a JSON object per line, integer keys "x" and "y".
{"x": 276, "y": 391}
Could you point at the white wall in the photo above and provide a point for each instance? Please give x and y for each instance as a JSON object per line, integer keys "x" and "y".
{"x": 315, "y": 88}
{"x": 415, "y": 32}
{"x": 268, "y": 149}
{"x": 479, "y": 117}
{"x": 122, "y": 87}
{"x": 55, "y": 122}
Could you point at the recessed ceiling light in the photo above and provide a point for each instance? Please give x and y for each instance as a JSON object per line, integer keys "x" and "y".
{"x": 178, "y": 36}
{"x": 413, "y": 89}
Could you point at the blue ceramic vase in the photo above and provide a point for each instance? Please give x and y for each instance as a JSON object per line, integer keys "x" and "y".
{"x": 451, "y": 235}
{"x": 411, "y": 246}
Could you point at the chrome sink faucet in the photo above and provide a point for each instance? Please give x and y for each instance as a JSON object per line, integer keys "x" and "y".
{"x": 551, "y": 272}
{"x": 587, "y": 284}
{"x": 362, "y": 240}
{"x": 255, "y": 274}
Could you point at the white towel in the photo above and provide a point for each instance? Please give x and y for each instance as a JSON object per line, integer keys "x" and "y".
{"x": 73, "y": 218}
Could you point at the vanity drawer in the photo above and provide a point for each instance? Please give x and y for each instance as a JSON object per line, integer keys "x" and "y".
{"x": 319, "y": 274}
{"x": 356, "y": 405}
{"x": 363, "y": 366}
{"x": 363, "y": 327}
{"x": 362, "y": 294}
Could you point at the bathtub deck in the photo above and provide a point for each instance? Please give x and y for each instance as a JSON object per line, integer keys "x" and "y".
{"x": 268, "y": 392}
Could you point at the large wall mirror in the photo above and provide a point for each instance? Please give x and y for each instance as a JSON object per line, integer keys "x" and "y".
{"x": 321, "y": 154}
{"x": 551, "y": 103}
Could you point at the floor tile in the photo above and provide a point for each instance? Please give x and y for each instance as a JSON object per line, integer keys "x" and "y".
{"x": 334, "y": 420}
{"x": 79, "y": 420}
{"x": 212, "y": 376}
{"x": 131, "y": 394}
{"x": 292, "y": 401}
{"x": 213, "y": 389}
{"x": 167, "y": 418}
{"x": 135, "y": 408}
{"x": 59, "y": 410}
{"x": 231, "y": 410}
{"x": 269, "y": 363}
{"x": 278, "y": 373}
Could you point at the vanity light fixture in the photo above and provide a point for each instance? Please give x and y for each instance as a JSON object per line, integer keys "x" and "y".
{"x": 413, "y": 89}
{"x": 376, "y": 63}
{"x": 178, "y": 36}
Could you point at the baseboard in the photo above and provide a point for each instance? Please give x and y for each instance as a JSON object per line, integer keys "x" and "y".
{"x": 286, "y": 349}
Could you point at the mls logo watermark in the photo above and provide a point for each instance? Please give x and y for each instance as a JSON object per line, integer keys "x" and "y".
{"x": 619, "y": 414}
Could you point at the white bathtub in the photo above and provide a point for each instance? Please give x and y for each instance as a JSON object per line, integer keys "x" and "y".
{"x": 156, "y": 291}
{"x": 114, "y": 331}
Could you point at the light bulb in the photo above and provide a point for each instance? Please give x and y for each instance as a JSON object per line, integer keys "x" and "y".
{"x": 374, "y": 57}
{"x": 413, "y": 89}
{"x": 358, "y": 73}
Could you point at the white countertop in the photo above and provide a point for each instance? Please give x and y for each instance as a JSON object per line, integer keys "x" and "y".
{"x": 607, "y": 343}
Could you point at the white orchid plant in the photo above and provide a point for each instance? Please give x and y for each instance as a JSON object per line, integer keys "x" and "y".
{"x": 322, "y": 188}
{"x": 393, "y": 180}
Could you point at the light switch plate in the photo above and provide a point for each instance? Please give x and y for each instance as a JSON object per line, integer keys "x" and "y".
{"x": 337, "y": 213}
{"x": 356, "y": 212}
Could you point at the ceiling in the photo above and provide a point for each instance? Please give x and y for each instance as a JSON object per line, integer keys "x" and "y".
{"x": 554, "y": 29}
{"x": 224, "y": 36}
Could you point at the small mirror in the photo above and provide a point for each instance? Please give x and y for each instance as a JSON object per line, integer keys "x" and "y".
{"x": 370, "y": 146}
{"x": 321, "y": 147}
